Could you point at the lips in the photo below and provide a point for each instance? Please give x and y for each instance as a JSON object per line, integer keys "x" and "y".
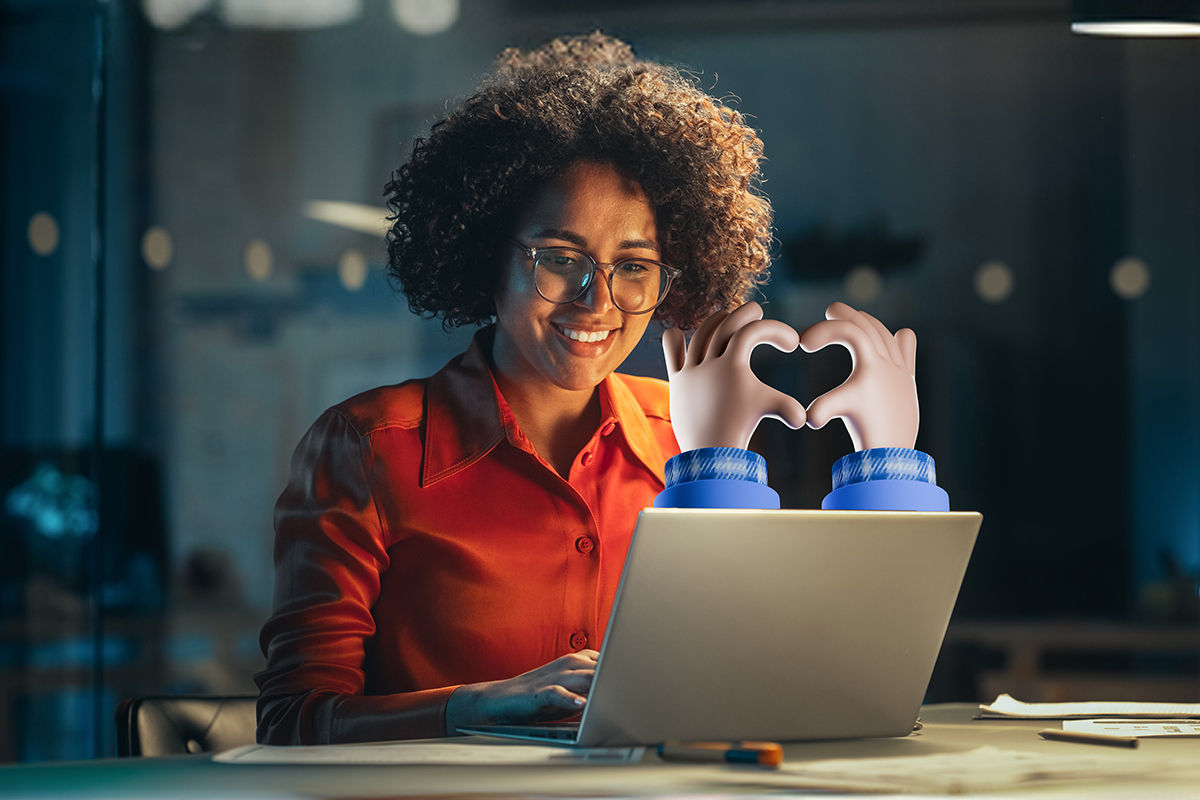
{"x": 581, "y": 335}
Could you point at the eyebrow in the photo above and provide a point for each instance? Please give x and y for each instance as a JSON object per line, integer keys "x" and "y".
{"x": 579, "y": 241}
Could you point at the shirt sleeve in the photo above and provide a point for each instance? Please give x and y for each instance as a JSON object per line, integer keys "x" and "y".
{"x": 330, "y": 549}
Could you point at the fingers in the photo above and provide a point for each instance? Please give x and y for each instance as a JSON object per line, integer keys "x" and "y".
{"x": 847, "y": 334}
{"x": 737, "y": 321}
{"x": 877, "y": 333}
{"x": 906, "y": 340}
{"x": 699, "y": 344}
{"x": 558, "y": 697}
{"x": 674, "y": 349}
{"x": 778, "y": 334}
{"x": 823, "y": 409}
{"x": 786, "y": 409}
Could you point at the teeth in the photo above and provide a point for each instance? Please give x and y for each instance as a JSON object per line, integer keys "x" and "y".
{"x": 585, "y": 336}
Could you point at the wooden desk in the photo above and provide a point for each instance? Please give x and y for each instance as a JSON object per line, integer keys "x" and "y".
{"x": 948, "y": 729}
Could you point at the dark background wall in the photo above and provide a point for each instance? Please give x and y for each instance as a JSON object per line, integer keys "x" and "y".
{"x": 915, "y": 150}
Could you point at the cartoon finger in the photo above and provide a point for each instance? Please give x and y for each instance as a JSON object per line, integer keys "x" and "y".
{"x": 674, "y": 349}
{"x": 828, "y": 406}
{"x": 698, "y": 346}
{"x": 778, "y": 334}
{"x": 906, "y": 340}
{"x": 889, "y": 341}
{"x": 786, "y": 409}
{"x": 847, "y": 334}
{"x": 864, "y": 322}
{"x": 743, "y": 315}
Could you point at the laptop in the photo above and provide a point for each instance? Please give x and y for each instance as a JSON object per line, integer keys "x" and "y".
{"x": 775, "y": 625}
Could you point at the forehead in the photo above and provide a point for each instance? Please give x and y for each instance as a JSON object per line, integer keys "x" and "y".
{"x": 591, "y": 200}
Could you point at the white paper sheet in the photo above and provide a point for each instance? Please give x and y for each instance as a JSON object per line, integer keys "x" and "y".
{"x": 1006, "y": 706}
{"x": 983, "y": 769}
{"x": 396, "y": 753}
{"x": 1130, "y": 727}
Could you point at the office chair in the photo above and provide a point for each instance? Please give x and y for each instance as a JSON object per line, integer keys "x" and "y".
{"x": 165, "y": 725}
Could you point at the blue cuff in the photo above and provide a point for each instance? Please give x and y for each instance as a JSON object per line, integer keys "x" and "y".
{"x": 886, "y": 479}
{"x": 884, "y": 464}
{"x": 717, "y": 477}
{"x": 715, "y": 463}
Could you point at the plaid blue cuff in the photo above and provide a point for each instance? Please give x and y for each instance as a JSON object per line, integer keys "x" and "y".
{"x": 884, "y": 463}
{"x": 716, "y": 463}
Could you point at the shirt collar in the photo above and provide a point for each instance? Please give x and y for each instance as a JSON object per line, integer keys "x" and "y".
{"x": 466, "y": 416}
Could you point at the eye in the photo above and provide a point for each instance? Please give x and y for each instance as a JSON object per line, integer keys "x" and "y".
{"x": 635, "y": 269}
{"x": 558, "y": 260}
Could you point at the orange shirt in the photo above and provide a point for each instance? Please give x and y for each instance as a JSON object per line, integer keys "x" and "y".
{"x": 422, "y": 544}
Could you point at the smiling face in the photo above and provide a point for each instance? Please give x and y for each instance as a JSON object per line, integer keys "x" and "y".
{"x": 572, "y": 346}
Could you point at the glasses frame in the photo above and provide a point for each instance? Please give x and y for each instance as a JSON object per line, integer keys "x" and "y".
{"x": 609, "y": 268}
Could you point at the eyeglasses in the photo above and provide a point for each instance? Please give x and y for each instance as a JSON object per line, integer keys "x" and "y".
{"x": 563, "y": 275}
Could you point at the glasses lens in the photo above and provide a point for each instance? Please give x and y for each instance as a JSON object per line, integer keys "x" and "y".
{"x": 561, "y": 275}
{"x": 638, "y": 285}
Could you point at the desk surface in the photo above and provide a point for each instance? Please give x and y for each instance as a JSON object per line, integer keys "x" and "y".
{"x": 948, "y": 729}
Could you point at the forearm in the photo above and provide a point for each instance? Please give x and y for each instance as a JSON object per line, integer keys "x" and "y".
{"x": 319, "y": 717}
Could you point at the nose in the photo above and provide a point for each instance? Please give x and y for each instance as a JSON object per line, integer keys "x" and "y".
{"x": 598, "y": 295}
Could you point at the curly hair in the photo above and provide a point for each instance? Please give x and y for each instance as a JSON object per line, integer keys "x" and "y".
{"x": 582, "y": 98}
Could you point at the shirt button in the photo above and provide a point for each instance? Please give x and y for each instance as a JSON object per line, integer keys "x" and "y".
{"x": 584, "y": 544}
{"x": 587, "y": 457}
{"x": 578, "y": 640}
{"x": 609, "y": 428}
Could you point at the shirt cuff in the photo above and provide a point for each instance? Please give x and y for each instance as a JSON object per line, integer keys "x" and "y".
{"x": 886, "y": 479}
{"x": 716, "y": 477}
{"x": 715, "y": 463}
{"x": 884, "y": 464}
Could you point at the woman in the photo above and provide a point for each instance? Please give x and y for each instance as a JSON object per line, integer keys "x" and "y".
{"x": 448, "y": 549}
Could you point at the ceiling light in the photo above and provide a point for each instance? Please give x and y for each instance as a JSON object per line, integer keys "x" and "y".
{"x": 1144, "y": 18}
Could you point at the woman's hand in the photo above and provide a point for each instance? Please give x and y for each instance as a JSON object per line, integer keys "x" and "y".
{"x": 878, "y": 402}
{"x": 552, "y": 691}
{"x": 716, "y": 399}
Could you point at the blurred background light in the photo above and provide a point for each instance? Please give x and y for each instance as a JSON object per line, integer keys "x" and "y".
{"x": 994, "y": 282}
{"x": 425, "y": 17}
{"x": 1130, "y": 278}
{"x": 43, "y": 233}
{"x": 157, "y": 247}
{"x": 1148, "y": 18}
{"x": 264, "y": 14}
{"x": 169, "y": 15}
{"x": 359, "y": 217}
{"x": 258, "y": 260}
{"x": 352, "y": 269}
{"x": 289, "y": 14}
{"x": 864, "y": 284}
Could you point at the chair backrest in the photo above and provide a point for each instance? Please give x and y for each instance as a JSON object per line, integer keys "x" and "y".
{"x": 165, "y": 725}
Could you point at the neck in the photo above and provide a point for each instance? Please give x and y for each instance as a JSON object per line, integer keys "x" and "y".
{"x": 557, "y": 421}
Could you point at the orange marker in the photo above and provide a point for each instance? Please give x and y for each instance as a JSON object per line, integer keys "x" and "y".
{"x": 766, "y": 754}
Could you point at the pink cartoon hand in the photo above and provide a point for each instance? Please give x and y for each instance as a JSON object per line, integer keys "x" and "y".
{"x": 878, "y": 402}
{"x": 716, "y": 399}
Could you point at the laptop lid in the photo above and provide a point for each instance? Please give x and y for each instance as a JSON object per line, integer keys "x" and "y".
{"x": 778, "y": 625}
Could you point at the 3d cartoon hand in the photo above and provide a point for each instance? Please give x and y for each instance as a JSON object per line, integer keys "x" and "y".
{"x": 716, "y": 400}
{"x": 878, "y": 402}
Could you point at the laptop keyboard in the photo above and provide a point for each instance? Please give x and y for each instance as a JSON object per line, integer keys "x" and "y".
{"x": 555, "y": 732}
